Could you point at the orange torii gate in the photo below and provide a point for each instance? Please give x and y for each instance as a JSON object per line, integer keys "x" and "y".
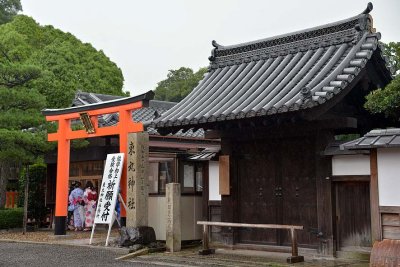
{"x": 89, "y": 116}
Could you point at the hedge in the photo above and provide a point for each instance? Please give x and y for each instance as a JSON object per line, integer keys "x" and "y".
{"x": 11, "y": 218}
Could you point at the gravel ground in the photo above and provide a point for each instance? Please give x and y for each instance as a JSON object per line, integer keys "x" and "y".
{"x": 68, "y": 251}
{"x": 25, "y": 254}
{"x": 191, "y": 258}
{"x": 48, "y": 236}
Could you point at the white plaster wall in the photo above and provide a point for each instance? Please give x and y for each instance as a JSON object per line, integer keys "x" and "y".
{"x": 213, "y": 188}
{"x": 158, "y": 215}
{"x": 389, "y": 176}
{"x": 191, "y": 212}
{"x": 351, "y": 165}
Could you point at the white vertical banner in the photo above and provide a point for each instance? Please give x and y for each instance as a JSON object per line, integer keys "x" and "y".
{"x": 108, "y": 193}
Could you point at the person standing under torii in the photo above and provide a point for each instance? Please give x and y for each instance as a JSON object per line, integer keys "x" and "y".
{"x": 90, "y": 199}
{"x": 76, "y": 198}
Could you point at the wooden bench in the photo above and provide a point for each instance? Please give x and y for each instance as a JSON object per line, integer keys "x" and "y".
{"x": 292, "y": 228}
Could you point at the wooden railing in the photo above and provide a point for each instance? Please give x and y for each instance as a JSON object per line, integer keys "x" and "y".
{"x": 292, "y": 229}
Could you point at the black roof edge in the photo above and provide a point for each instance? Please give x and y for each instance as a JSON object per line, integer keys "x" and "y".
{"x": 365, "y": 13}
{"x": 146, "y": 97}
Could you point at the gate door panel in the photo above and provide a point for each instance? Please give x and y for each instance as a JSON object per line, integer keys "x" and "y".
{"x": 353, "y": 215}
{"x": 257, "y": 199}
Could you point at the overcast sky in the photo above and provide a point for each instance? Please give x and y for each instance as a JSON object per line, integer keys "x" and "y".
{"x": 146, "y": 38}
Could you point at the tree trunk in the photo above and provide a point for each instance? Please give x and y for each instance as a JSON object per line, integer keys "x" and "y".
{"x": 3, "y": 184}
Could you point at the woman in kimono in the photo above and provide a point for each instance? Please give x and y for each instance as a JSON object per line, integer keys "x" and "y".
{"x": 90, "y": 198}
{"x": 76, "y": 199}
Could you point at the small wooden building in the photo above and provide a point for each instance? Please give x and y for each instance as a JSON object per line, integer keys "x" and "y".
{"x": 276, "y": 104}
{"x": 381, "y": 163}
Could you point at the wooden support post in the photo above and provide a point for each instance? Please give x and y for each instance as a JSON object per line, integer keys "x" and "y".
{"x": 374, "y": 198}
{"x": 295, "y": 252}
{"x": 205, "y": 237}
{"x": 206, "y": 250}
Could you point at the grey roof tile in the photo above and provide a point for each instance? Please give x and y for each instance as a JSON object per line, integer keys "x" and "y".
{"x": 280, "y": 74}
{"x": 375, "y": 139}
{"x": 145, "y": 114}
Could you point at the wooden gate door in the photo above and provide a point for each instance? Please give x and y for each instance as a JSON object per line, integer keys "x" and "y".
{"x": 353, "y": 215}
{"x": 257, "y": 198}
{"x": 299, "y": 192}
{"x": 277, "y": 186}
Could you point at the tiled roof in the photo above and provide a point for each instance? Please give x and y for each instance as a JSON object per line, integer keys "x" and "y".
{"x": 145, "y": 114}
{"x": 281, "y": 74}
{"x": 144, "y": 98}
{"x": 84, "y": 98}
{"x": 375, "y": 139}
{"x": 334, "y": 148}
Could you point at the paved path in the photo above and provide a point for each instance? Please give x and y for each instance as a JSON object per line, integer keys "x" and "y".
{"x": 190, "y": 258}
{"x": 58, "y": 255}
{"x": 27, "y": 254}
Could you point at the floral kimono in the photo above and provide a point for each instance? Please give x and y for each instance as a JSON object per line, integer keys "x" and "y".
{"x": 90, "y": 198}
{"x": 76, "y": 199}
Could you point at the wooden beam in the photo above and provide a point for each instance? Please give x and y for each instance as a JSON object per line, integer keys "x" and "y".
{"x": 389, "y": 209}
{"x": 288, "y": 128}
{"x": 376, "y": 230}
{"x": 213, "y": 134}
{"x": 253, "y": 225}
{"x": 95, "y": 112}
{"x": 351, "y": 178}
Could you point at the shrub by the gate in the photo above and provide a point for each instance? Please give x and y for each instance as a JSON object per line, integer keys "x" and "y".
{"x": 11, "y": 218}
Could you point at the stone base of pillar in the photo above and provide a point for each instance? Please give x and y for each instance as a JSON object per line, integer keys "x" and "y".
{"x": 123, "y": 221}
{"x": 207, "y": 251}
{"x": 295, "y": 259}
{"x": 60, "y": 225}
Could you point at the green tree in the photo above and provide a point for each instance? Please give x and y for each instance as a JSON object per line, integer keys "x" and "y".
{"x": 179, "y": 84}
{"x": 387, "y": 100}
{"x": 8, "y": 9}
{"x": 392, "y": 52}
{"x": 21, "y": 137}
{"x": 66, "y": 64}
{"x": 42, "y": 67}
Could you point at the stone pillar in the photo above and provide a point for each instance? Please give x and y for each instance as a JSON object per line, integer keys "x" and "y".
{"x": 173, "y": 195}
{"x": 137, "y": 184}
